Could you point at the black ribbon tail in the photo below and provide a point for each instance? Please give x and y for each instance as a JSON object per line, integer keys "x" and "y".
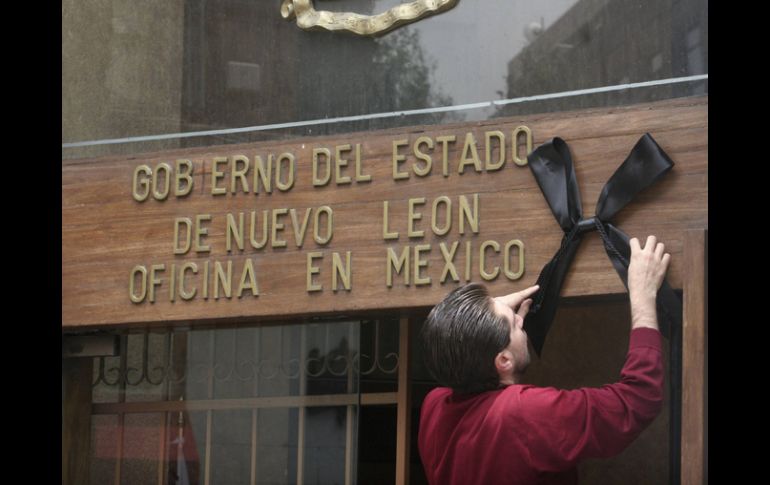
{"x": 551, "y": 164}
{"x": 540, "y": 317}
{"x": 645, "y": 165}
{"x": 668, "y": 303}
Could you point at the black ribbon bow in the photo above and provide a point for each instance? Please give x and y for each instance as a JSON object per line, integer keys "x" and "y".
{"x": 552, "y": 167}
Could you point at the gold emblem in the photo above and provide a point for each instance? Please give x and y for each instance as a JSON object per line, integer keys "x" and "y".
{"x": 308, "y": 18}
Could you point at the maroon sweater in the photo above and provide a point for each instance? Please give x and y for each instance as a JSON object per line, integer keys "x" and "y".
{"x": 522, "y": 434}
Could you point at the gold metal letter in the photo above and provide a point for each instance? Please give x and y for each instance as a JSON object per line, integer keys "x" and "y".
{"x": 254, "y": 243}
{"x": 183, "y": 175}
{"x": 360, "y": 177}
{"x": 434, "y": 217}
{"x": 385, "y": 233}
{"x": 490, "y": 166}
{"x": 248, "y": 270}
{"x": 263, "y": 174}
{"x": 465, "y": 214}
{"x": 344, "y": 272}
{"x": 318, "y": 182}
{"x": 468, "y": 256}
{"x": 341, "y": 162}
{"x": 283, "y": 187}
{"x": 507, "y": 259}
{"x": 422, "y": 172}
{"x": 449, "y": 257}
{"x": 418, "y": 263}
{"x": 172, "y": 286}
{"x": 311, "y": 270}
{"x": 445, "y": 140}
{"x": 153, "y": 280}
{"x": 299, "y": 231}
{"x": 397, "y": 263}
{"x": 142, "y": 183}
{"x": 398, "y": 159}
{"x": 201, "y": 231}
{"x": 470, "y": 145}
{"x": 329, "y": 225}
{"x": 278, "y": 226}
{"x": 216, "y": 174}
{"x": 410, "y": 231}
{"x": 515, "y": 144}
{"x": 184, "y": 294}
{"x": 131, "y": 287}
{"x": 188, "y": 240}
{"x": 482, "y": 255}
{"x": 233, "y": 230}
{"x": 225, "y": 279}
{"x": 237, "y": 173}
{"x": 206, "y": 280}
{"x": 166, "y": 181}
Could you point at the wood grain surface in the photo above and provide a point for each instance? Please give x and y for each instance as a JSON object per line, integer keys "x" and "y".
{"x": 106, "y": 232}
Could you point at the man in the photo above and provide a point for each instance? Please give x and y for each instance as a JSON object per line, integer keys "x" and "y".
{"x": 483, "y": 427}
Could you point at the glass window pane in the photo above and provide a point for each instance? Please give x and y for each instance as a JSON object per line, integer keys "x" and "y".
{"x": 234, "y": 64}
{"x": 141, "y": 449}
{"x": 231, "y": 447}
{"x": 235, "y": 363}
{"x": 326, "y": 442}
{"x": 379, "y": 355}
{"x": 106, "y": 379}
{"x": 284, "y": 364}
{"x": 198, "y": 364}
{"x": 277, "y": 446}
{"x": 185, "y": 443}
{"x": 377, "y": 445}
{"x": 328, "y": 358}
{"x": 146, "y": 361}
{"x": 104, "y": 448}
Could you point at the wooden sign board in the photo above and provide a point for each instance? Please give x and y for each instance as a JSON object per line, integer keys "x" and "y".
{"x": 378, "y": 220}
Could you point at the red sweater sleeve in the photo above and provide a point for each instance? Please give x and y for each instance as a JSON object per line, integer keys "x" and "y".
{"x": 562, "y": 427}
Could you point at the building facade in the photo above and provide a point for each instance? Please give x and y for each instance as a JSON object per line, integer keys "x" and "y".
{"x": 258, "y": 217}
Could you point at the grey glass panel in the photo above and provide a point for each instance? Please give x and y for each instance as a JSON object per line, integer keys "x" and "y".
{"x": 147, "y": 357}
{"x": 286, "y": 364}
{"x": 325, "y": 444}
{"x": 379, "y": 355}
{"x": 377, "y": 446}
{"x": 188, "y": 65}
{"x": 329, "y": 356}
{"x": 141, "y": 449}
{"x": 104, "y": 448}
{"x": 277, "y": 446}
{"x": 105, "y": 379}
{"x": 231, "y": 447}
{"x": 236, "y": 363}
{"x": 199, "y": 364}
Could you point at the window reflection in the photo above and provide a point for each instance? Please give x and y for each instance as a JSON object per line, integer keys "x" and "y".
{"x": 234, "y": 64}
{"x": 276, "y": 403}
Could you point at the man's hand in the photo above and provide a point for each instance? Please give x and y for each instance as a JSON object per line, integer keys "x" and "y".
{"x": 646, "y": 271}
{"x": 519, "y": 301}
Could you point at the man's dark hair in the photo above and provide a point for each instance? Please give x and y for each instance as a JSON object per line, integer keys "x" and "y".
{"x": 461, "y": 337}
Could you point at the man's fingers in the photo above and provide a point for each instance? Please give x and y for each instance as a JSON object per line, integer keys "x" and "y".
{"x": 659, "y": 250}
{"x": 650, "y": 244}
{"x": 525, "y": 293}
{"x": 664, "y": 262}
{"x": 513, "y": 300}
{"x": 634, "y": 243}
{"x": 524, "y": 308}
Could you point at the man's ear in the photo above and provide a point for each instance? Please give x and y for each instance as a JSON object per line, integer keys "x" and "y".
{"x": 504, "y": 362}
